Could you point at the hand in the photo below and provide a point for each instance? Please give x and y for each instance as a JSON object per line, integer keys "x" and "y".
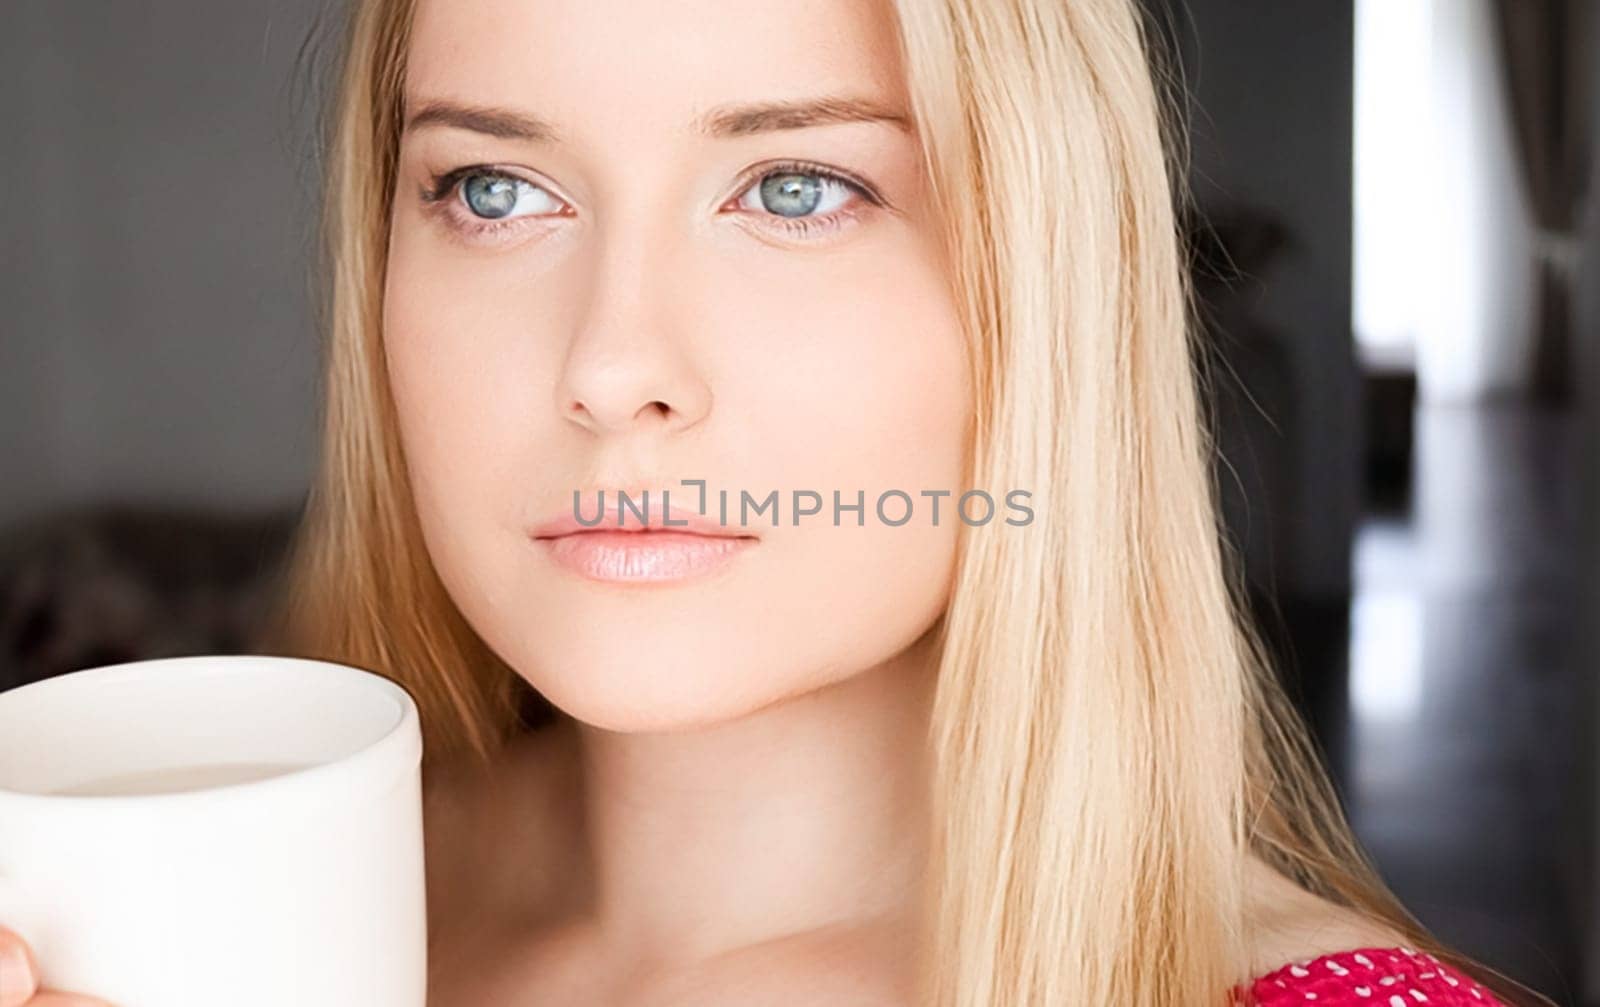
{"x": 19, "y": 979}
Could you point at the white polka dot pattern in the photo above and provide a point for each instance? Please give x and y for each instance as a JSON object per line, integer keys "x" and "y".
{"x": 1369, "y": 977}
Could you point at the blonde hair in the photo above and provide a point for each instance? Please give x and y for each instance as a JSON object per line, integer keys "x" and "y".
{"x": 1108, "y": 740}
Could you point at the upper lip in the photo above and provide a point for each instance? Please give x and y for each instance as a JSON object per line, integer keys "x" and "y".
{"x": 683, "y": 521}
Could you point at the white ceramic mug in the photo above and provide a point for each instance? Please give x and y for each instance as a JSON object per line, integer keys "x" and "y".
{"x": 196, "y": 831}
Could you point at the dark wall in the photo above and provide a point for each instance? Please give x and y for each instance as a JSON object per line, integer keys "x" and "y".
{"x": 156, "y": 342}
{"x": 1271, "y": 129}
{"x": 1587, "y": 345}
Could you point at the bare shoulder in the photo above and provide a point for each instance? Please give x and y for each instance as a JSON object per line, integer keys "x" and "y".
{"x": 1292, "y": 924}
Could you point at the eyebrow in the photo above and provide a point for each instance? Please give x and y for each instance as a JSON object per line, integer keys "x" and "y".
{"x": 722, "y": 122}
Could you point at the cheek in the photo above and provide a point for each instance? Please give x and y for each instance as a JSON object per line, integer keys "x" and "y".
{"x": 462, "y": 380}
{"x": 891, "y": 416}
{"x": 439, "y": 404}
{"x": 864, "y": 383}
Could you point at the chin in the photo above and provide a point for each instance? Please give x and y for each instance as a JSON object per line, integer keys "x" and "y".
{"x": 658, "y": 688}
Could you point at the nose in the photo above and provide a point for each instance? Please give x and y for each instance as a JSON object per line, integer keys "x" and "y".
{"x": 628, "y": 365}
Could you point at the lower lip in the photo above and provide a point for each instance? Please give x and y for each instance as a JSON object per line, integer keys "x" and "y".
{"x": 643, "y": 556}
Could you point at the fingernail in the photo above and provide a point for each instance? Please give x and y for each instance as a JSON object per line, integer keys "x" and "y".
{"x": 16, "y": 973}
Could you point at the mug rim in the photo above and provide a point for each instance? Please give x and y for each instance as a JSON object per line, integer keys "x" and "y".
{"x": 397, "y": 749}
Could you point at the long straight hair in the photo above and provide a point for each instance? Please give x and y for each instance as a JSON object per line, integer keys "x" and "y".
{"x": 1108, "y": 740}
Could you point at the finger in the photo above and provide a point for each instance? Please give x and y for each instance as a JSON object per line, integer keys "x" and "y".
{"x": 19, "y": 974}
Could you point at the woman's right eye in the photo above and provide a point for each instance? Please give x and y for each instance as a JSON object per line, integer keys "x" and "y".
{"x": 486, "y": 201}
{"x": 496, "y": 197}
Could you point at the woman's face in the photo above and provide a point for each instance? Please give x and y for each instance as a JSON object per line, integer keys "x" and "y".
{"x": 626, "y": 282}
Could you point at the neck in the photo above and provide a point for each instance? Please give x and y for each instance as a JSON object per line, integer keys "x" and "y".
{"x": 807, "y": 814}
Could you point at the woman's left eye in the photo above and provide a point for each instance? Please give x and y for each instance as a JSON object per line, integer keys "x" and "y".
{"x": 803, "y": 198}
{"x": 796, "y": 194}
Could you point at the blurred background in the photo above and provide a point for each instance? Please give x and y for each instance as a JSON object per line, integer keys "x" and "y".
{"x": 1398, "y": 258}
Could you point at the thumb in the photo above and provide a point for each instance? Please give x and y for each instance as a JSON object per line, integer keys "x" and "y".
{"x": 19, "y": 975}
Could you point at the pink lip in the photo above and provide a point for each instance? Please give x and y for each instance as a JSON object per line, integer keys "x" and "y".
{"x": 619, "y": 555}
{"x": 634, "y": 552}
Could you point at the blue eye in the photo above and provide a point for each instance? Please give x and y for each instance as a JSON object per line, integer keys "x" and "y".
{"x": 792, "y": 194}
{"x": 496, "y": 197}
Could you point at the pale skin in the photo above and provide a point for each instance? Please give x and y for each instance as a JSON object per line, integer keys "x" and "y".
{"x": 733, "y": 812}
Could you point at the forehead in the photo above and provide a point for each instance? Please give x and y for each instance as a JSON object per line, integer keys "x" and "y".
{"x": 632, "y": 64}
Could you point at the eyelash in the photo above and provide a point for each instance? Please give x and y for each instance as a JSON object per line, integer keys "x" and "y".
{"x": 444, "y": 185}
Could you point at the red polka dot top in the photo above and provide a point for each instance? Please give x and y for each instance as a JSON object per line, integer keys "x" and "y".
{"x": 1369, "y": 977}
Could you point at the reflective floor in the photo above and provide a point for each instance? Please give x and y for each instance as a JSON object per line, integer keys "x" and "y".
{"x": 1458, "y": 728}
